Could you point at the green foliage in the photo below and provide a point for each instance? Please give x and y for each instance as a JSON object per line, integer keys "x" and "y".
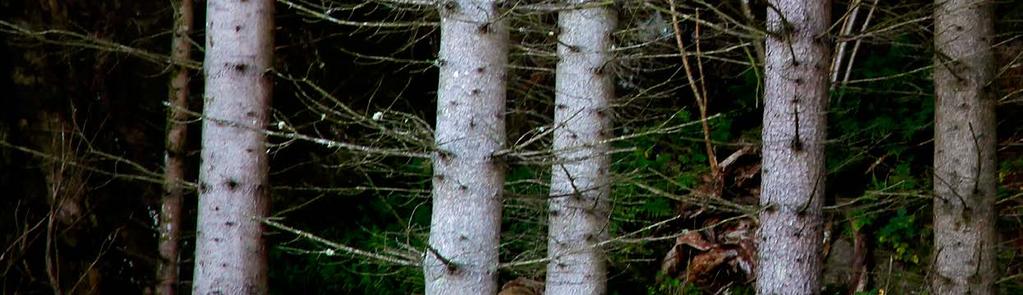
{"x": 1011, "y": 165}
{"x": 883, "y": 118}
{"x": 524, "y": 220}
{"x": 747, "y": 91}
{"x": 674, "y": 286}
{"x": 870, "y": 292}
{"x": 901, "y": 235}
{"x": 334, "y": 272}
{"x": 664, "y": 162}
{"x": 881, "y": 152}
{"x": 375, "y": 221}
{"x": 333, "y": 275}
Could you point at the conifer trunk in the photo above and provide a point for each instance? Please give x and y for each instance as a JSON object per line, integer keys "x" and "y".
{"x": 233, "y": 187}
{"x": 468, "y": 179}
{"x": 580, "y": 181}
{"x": 965, "y": 141}
{"x": 794, "y": 133}
{"x": 174, "y": 159}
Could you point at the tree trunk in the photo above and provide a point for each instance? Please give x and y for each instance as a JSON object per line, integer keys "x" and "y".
{"x": 174, "y": 160}
{"x": 964, "y": 148}
{"x": 794, "y": 132}
{"x": 468, "y": 179}
{"x": 233, "y": 187}
{"x": 580, "y": 187}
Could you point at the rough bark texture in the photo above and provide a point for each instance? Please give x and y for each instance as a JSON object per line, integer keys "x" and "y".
{"x": 794, "y": 132}
{"x": 964, "y": 148}
{"x": 468, "y": 180}
{"x": 579, "y": 205}
{"x": 233, "y": 188}
{"x": 174, "y": 160}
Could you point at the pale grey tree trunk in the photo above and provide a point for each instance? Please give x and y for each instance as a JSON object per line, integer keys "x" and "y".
{"x": 794, "y": 132}
{"x": 233, "y": 190}
{"x": 174, "y": 159}
{"x": 468, "y": 179}
{"x": 964, "y": 148}
{"x": 580, "y": 185}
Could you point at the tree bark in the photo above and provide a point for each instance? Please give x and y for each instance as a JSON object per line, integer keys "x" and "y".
{"x": 964, "y": 148}
{"x": 233, "y": 186}
{"x": 468, "y": 179}
{"x": 174, "y": 159}
{"x": 794, "y": 133}
{"x": 580, "y": 185}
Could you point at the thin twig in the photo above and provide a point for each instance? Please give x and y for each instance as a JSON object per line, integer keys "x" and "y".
{"x": 403, "y": 261}
{"x": 701, "y": 101}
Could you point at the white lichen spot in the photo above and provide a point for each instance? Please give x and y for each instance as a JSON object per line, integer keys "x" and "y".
{"x": 550, "y": 33}
{"x": 154, "y": 215}
{"x": 378, "y": 116}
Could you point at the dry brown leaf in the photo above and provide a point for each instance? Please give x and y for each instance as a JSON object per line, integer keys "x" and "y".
{"x": 704, "y": 264}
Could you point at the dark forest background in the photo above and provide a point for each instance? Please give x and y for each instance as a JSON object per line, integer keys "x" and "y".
{"x": 82, "y": 119}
